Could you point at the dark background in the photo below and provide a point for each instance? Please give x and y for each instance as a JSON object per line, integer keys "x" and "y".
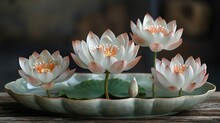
{"x": 35, "y": 25}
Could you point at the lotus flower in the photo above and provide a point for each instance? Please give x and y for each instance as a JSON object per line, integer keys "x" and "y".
{"x": 45, "y": 69}
{"x": 177, "y": 74}
{"x": 109, "y": 53}
{"x": 158, "y": 35}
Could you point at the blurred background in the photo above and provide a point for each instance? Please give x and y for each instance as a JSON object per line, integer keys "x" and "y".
{"x": 35, "y": 25}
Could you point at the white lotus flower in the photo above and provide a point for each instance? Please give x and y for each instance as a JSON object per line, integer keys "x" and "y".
{"x": 177, "y": 74}
{"x": 106, "y": 54}
{"x": 158, "y": 35}
{"x": 45, "y": 69}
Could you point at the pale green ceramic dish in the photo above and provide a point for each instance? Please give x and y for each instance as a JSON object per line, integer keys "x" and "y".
{"x": 165, "y": 103}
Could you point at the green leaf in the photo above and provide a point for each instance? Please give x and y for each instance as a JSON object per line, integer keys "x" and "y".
{"x": 91, "y": 89}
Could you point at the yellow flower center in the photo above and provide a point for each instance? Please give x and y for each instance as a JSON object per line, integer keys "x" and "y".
{"x": 157, "y": 29}
{"x": 43, "y": 67}
{"x": 109, "y": 50}
{"x": 179, "y": 68}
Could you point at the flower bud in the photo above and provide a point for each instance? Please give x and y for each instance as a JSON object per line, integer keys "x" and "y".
{"x": 133, "y": 89}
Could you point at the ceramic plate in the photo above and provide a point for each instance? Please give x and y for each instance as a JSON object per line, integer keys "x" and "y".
{"x": 165, "y": 103}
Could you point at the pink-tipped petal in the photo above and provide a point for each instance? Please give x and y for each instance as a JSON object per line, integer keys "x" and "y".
{"x": 190, "y": 87}
{"x": 133, "y": 63}
{"x": 160, "y": 21}
{"x": 198, "y": 61}
{"x": 172, "y": 88}
{"x": 163, "y": 81}
{"x": 191, "y": 61}
{"x": 33, "y": 81}
{"x": 66, "y": 75}
{"x": 179, "y": 58}
{"x": 156, "y": 47}
{"x": 78, "y": 61}
{"x": 65, "y": 64}
{"x": 35, "y": 55}
{"x": 203, "y": 81}
{"x": 47, "y": 86}
{"x": 174, "y": 45}
{"x": 56, "y": 54}
{"x": 200, "y": 76}
{"x": 165, "y": 61}
{"x": 188, "y": 74}
{"x": 117, "y": 67}
{"x": 95, "y": 68}
{"x": 155, "y": 79}
{"x": 23, "y": 74}
{"x": 139, "y": 41}
{"x": 46, "y": 54}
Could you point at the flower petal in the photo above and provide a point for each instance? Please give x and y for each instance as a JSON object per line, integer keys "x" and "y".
{"x": 78, "y": 61}
{"x": 147, "y": 18}
{"x": 198, "y": 61}
{"x": 98, "y": 55}
{"x": 190, "y": 61}
{"x": 65, "y": 64}
{"x": 46, "y": 54}
{"x": 172, "y": 26}
{"x": 95, "y": 68}
{"x": 117, "y": 67}
{"x": 133, "y": 63}
{"x": 174, "y": 45}
{"x": 189, "y": 87}
{"x": 23, "y": 74}
{"x": 156, "y": 47}
{"x": 188, "y": 75}
{"x": 108, "y": 33}
{"x": 155, "y": 79}
{"x": 47, "y": 86}
{"x": 24, "y": 64}
{"x": 45, "y": 77}
{"x": 165, "y": 61}
{"x": 33, "y": 81}
{"x": 107, "y": 62}
{"x": 198, "y": 85}
{"x": 35, "y": 55}
{"x": 160, "y": 21}
{"x": 65, "y": 76}
{"x": 139, "y": 41}
{"x": 121, "y": 53}
{"x": 92, "y": 41}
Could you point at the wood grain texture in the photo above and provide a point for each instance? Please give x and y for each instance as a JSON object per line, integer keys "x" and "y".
{"x": 11, "y": 111}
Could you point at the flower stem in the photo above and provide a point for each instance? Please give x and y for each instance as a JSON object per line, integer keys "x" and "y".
{"x": 48, "y": 93}
{"x": 106, "y": 84}
{"x": 153, "y": 88}
{"x": 180, "y": 92}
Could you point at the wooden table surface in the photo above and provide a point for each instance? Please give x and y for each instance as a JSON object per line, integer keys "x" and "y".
{"x": 11, "y": 111}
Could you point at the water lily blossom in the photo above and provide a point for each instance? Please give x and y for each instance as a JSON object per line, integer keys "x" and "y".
{"x": 176, "y": 75}
{"x": 109, "y": 53}
{"x": 45, "y": 69}
{"x": 157, "y": 35}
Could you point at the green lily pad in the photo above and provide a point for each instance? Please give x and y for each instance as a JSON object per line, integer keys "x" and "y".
{"x": 91, "y": 89}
